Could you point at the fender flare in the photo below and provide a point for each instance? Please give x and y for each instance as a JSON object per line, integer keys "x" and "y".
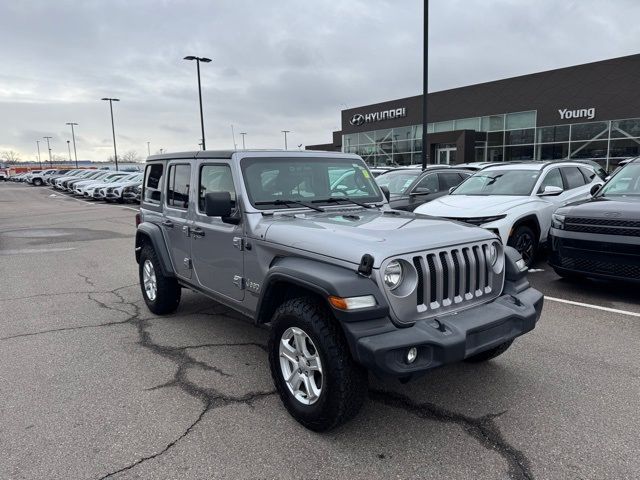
{"x": 324, "y": 280}
{"x": 151, "y": 233}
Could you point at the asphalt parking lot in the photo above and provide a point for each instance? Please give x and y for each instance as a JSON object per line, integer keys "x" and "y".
{"x": 94, "y": 386}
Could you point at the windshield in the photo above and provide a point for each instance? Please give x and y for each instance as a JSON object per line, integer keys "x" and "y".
{"x": 624, "y": 183}
{"x": 399, "y": 181}
{"x": 270, "y": 180}
{"x": 499, "y": 182}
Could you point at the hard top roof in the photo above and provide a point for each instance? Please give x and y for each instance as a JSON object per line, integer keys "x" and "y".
{"x": 227, "y": 154}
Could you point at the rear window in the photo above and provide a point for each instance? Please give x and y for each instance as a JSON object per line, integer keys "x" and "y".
{"x": 574, "y": 177}
{"x": 153, "y": 184}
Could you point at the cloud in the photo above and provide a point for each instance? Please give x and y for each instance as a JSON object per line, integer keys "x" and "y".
{"x": 276, "y": 65}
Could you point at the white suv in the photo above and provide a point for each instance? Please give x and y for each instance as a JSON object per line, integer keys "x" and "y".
{"x": 516, "y": 200}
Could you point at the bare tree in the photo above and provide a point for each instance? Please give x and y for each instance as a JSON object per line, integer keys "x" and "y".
{"x": 10, "y": 156}
{"x": 130, "y": 156}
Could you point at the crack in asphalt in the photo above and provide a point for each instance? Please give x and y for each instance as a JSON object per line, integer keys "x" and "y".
{"x": 483, "y": 429}
{"x": 210, "y": 398}
{"x": 87, "y": 280}
{"x": 78, "y": 292}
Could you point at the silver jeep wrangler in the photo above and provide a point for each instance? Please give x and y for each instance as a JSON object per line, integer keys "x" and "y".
{"x": 306, "y": 241}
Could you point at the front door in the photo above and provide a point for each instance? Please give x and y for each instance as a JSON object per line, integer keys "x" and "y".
{"x": 175, "y": 219}
{"x": 216, "y": 246}
{"x": 446, "y": 154}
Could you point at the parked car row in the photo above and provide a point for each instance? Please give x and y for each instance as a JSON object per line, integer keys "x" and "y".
{"x": 107, "y": 185}
{"x": 589, "y": 220}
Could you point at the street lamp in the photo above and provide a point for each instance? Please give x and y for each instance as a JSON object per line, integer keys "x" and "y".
{"x": 39, "y": 162}
{"x": 73, "y": 136}
{"x": 285, "y": 137}
{"x": 198, "y": 60}
{"x": 243, "y": 134}
{"x": 425, "y": 80}
{"x": 69, "y": 148}
{"x": 113, "y": 130}
{"x": 49, "y": 147}
{"x": 149, "y": 148}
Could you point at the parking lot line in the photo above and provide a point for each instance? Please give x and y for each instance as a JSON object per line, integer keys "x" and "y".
{"x": 595, "y": 307}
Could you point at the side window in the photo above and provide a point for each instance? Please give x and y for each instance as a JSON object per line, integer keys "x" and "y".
{"x": 429, "y": 184}
{"x": 552, "y": 179}
{"x": 588, "y": 175}
{"x": 215, "y": 178}
{"x": 573, "y": 176}
{"x": 178, "y": 186}
{"x": 152, "y": 183}
{"x": 450, "y": 179}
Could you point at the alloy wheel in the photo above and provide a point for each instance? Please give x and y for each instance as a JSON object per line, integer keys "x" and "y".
{"x": 149, "y": 280}
{"x": 300, "y": 366}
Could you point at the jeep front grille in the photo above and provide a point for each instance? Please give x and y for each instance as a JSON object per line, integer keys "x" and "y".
{"x": 449, "y": 280}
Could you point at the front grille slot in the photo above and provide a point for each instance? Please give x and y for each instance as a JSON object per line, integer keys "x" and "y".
{"x": 451, "y": 279}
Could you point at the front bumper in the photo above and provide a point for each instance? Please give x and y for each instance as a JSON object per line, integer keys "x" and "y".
{"x": 612, "y": 257}
{"x": 381, "y": 347}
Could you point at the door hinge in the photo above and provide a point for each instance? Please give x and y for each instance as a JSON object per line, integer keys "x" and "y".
{"x": 187, "y": 263}
{"x": 186, "y": 230}
{"x": 238, "y": 281}
{"x": 238, "y": 242}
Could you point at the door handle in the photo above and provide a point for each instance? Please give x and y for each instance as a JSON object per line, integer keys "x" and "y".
{"x": 167, "y": 223}
{"x": 197, "y": 232}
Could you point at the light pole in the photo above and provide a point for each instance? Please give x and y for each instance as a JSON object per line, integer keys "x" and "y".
{"x": 73, "y": 136}
{"x": 425, "y": 81}
{"x": 49, "y": 147}
{"x": 39, "y": 162}
{"x": 198, "y": 60}
{"x": 69, "y": 148}
{"x": 149, "y": 148}
{"x": 285, "y": 137}
{"x": 113, "y": 129}
{"x": 243, "y": 134}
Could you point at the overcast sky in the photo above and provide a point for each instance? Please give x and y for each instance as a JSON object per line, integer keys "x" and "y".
{"x": 278, "y": 64}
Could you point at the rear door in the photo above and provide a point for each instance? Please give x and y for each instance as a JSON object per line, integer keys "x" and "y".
{"x": 217, "y": 247}
{"x": 576, "y": 187}
{"x": 175, "y": 219}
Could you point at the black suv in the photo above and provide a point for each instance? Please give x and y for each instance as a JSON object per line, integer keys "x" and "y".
{"x": 410, "y": 187}
{"x": 600, "y": 237}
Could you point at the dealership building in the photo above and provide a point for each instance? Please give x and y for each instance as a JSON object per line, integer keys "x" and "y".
{"x": 589, "y": 111}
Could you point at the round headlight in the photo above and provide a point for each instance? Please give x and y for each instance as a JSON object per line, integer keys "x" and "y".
{"x": 393, "y": 274}
{"x": 493, "y": 254}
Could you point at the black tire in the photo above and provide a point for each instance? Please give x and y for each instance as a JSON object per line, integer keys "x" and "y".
{"x": 344, "y": 382}
{"x": 489, "y": 354}
{"x": 168, "y": 290}
{"x": 524, "y": 240}
{"x": 37, "y": 182}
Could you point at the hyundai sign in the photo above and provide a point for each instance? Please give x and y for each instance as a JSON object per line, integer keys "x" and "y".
{"x": 362, "y": 118}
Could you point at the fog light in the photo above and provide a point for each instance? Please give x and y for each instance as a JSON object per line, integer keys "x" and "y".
{"x": 412, "y": 354}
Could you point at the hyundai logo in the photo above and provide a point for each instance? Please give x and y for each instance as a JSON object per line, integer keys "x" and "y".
{"x": 357, "y": 119}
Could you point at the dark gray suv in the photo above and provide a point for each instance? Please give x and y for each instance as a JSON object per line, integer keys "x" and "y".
{"x": 306, "y": 241}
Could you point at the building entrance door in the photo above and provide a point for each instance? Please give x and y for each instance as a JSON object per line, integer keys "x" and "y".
{"x": 446, "y": 154}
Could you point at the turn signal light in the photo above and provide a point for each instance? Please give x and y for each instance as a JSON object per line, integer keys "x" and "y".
{"x": 352, "y": 303}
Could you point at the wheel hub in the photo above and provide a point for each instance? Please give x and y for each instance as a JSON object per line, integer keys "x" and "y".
{"x": 149, "y": 280}
{"x": 300, "y": 365}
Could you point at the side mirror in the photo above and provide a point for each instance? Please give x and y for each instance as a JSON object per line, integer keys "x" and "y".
{"x": 595, "y": 189}
{"x": 386, "y": 192}
{"x": 550, "y": 191}
{"x": 217, "y": 204}
{"x": 421, "y": 191}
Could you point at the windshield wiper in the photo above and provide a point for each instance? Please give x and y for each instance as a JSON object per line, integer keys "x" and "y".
{"x": 343, "y": 199}
{"x": 286, "y": 203}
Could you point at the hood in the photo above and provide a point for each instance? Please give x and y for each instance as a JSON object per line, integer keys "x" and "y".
{"x": 469, "y": 206}
{"x": 348, "y": 235}
{"x": 612, "y": 208}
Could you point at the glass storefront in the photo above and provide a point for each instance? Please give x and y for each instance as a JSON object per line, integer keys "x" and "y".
{"x": 505, "y": 137}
